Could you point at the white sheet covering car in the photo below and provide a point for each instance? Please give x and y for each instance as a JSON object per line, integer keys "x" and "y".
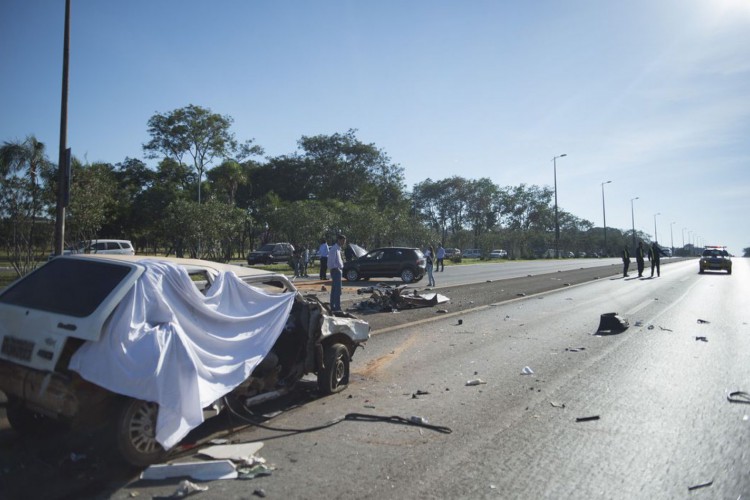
{"x": 167, "y": 337}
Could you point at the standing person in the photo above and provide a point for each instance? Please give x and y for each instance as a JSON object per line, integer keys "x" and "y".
{"x": 625, "y": 261}
{"x": 323, "y": 254}
{"x": 296, "y": 261}
{"x": 305, "y": 260}
{"x": 440, "y": 258}
{"x": 335, "y": 266}
{"x": 654, "y": 255}
{"x": 429, "y": 254}
{"x": 639, "y": 258}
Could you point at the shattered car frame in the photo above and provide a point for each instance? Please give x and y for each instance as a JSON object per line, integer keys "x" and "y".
{"x": 48, "y": 316}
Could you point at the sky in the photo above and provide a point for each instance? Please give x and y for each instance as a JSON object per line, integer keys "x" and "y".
{"x": 652, "y": 95}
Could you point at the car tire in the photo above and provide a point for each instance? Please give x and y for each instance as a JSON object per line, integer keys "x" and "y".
{"x": 136, "y": 432}
{"x": 333, "y": 377}
{"x": 30, "y": 423}
{"x": 729, "y": 271}
{"x": 352, "y": 275}
{"x": 407, "y": 275}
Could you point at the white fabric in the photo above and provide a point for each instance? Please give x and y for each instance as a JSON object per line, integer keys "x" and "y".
{"x": 168, "y": 343}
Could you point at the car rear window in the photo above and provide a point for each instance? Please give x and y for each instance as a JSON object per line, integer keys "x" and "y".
{"x": 66, "y": 286}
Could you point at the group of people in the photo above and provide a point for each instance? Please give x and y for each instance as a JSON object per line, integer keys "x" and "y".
{"x": 300, "y": 261}
{"x": 654, "y": 255}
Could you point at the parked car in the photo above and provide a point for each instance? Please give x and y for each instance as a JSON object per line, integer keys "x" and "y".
{"x": 392, "y": 262}
{"x": 271, "y": 253}
{"x": 472, "y": 253}
{"x": 498, "y": 254}
{"x": 715, "y": 258}
{"x": 151, "y": 346}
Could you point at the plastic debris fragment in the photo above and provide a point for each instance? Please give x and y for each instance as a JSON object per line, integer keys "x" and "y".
{"x": 527, "y": 371}
{"x": 475, "y": 381}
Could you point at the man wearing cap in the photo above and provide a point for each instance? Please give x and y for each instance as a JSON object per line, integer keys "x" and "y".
{"x": 335, "y": 266}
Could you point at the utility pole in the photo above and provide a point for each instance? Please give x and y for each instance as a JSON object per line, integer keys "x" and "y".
{"x": 62, "y": 163}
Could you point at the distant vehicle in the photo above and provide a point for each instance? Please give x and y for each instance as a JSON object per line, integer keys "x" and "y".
{"x": 106, "y": 247}
{"x": 471, "y": 253}
{"x": 715, "y": 258}
{"x": 407, "y": 263}
{"x": 452, "y": 252}
{"x": 498, "y": 254}
{"x": 271, "y": 253}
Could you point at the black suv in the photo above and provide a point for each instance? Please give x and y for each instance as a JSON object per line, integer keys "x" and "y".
{"x": 271, "y": 253}
{"x": 393, "y": 262}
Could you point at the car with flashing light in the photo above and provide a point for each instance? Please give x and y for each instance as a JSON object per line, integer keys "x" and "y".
{"x": 406, "y": 263}
{"x": 715, "y": 258}
{"x": 147, "y": 348}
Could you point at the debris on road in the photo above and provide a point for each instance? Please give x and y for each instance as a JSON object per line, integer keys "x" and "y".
{"x": 701, "y": 485}
{"x": 587, "y": 419}
{"x": 739, "y": 397}
{"x": 389, "y": 298}
{"x": 244, "y": 452}
{"x": 260, "y": 492}
{"x": 527, "y": 371}
{"x": 650, "y": 327}
{"x": 475, "y": 381}
{"x": 575, "y": 349}
{"x": 557, "y": 405}
{"x": 665, "y": 329}
{"x": 610, "y": 323}
{"x": 200, "y": 471}
{"x": 702, "y": 321}
{"x": 186, "y": 488}
{"x": 702, "y": 339}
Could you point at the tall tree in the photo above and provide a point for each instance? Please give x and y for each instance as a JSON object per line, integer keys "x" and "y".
{"x": 198, "y": 133}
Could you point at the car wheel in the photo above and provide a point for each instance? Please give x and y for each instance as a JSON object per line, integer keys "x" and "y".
{"x": 334, "y": 376}
{"x": 30, "y": 423}
{"x": 352, "y": 275}
{"x": 700, "y": 270}
{"x": 729, "y": 271}
{"x": 136, "y": 433}
{"x": 407, "y": 275}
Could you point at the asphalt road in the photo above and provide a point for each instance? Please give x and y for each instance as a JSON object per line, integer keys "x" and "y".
{"x": 664, "y": 422}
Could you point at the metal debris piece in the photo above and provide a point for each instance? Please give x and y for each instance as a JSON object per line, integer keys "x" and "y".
{"x": 587, "y": 419}
{"x": 521, "y": 294}
{"x": 442, "y": 311}
{"x": 575, "y": 349}
{"x": 701, "y": 485}
{"x": 650, "y": 327}
{"x": 200, "y": 471}
{"x": 665, "y": 329}
{"x": 702, "y": 339}
{"x": 557, "y": 405}
{"x": 186, "y": 488}
{"x": 475, "y": 381}
{"x": 527, "y": 371}
{"x": 739, "y": 397}
{"x": 703, "y": 321}
{"x": 260, "y": 492}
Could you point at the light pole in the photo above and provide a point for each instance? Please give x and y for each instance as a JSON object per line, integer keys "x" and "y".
{"x": 671, "y": 237}
{"x": 557, "y": 223}
{"x": 656, "y": 238}
{"x": 683, "y": 239}
{"x": 690, "y": 241}
{"x": 632, "y": 218}
{"x": 604, "y": 216}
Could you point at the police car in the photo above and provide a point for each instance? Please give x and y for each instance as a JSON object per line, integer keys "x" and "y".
{"x": 715, "y": 258}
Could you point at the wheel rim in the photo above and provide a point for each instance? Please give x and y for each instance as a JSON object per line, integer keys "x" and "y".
{"x": 339, "y": 371}
{"x": 407, "y": 276}
{"x": 142, "y": 428}
{"x": 351, "y": 275}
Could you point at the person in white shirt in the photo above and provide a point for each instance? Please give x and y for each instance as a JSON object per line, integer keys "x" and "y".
{"x": 336, "y": 266}
{"x": 323, "y": 254}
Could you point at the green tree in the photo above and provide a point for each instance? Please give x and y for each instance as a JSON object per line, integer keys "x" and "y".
{"x": 21, "y": 203}
{"x": 198, "y": 133}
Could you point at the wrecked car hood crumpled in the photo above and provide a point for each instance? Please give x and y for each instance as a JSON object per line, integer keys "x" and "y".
{"x": 168, "y": 343}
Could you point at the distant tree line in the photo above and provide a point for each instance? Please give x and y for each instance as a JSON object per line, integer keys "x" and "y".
{"x": 214, "y": 197}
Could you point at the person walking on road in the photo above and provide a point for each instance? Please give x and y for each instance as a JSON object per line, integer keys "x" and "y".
{"x": 654, "y": 255}
{"x": 639, "y": 258}
{"x": 335, "y": 266}
{"x": 430, "y": 256}
{"x": 323, "y": 255}
{"x": 440, "y": 258}
{"x": 625, "y": 261}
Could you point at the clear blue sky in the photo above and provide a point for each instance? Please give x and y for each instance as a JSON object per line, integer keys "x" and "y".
{"x": 653, "y": 95}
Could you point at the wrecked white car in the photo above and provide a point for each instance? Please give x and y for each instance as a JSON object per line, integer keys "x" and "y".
{"x": 155, "y": 345}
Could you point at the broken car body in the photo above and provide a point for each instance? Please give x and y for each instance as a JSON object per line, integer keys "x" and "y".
{"x": 158, "y": 341}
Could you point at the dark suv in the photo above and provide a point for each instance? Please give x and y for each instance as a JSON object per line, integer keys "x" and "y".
{"x": 393, "y": 262}
{"x": 271, "y": 253}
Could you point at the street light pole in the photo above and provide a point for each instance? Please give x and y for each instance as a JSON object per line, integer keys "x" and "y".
{"x": 656, "y": 237}
{"x": 690, "y": 242}
{"x": 557, "y": 223}
{"x": 632, "y": 218}
{"x": 683, "y": 239}
{"x": 604, "y": 216}
{"x": 671, "y": 237}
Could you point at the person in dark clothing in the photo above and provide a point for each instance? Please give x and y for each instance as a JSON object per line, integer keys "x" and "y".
{"x": 654, "y": 255}
{"x": 639, "y": 258}
{"x": 625, "y": 262}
